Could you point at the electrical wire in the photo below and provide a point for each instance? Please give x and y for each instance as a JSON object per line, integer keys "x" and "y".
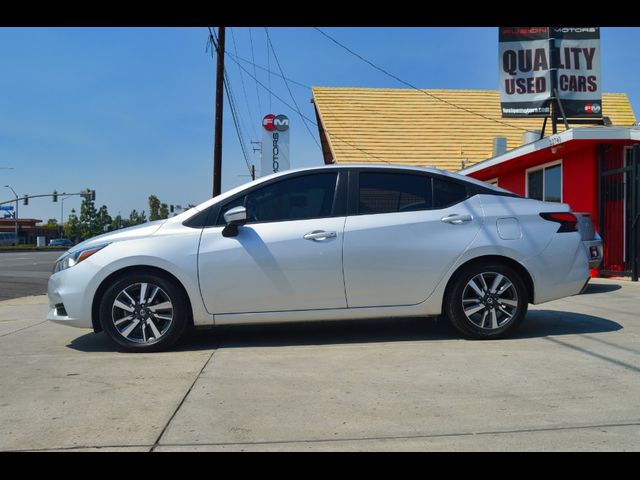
{"x": 269, "y": 75}
{"x": 261, "y": 112}
{"x": 244, "y": 90}
{"x": 236, "y": 119}
{"x": 368, "y": 62}
{"x": 342, "y": 139}
{"x": 213, "y": 40}
{"x": 297, "y": 109}
{"x": 289, "y": 79}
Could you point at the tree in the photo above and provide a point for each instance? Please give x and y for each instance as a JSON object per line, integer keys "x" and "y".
{"x": 52, "y": 223}
{"x": 103, "y": 219}
{"x": 136, "y": 218}
{"x": 72, "y": 229}
{"x": 154, "y": 208}
{"x": 119, "y": 222}
{"x": 88, "y": 219}
{"x": 164, "y": 211}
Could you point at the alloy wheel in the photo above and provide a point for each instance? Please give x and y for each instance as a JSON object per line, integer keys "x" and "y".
{"x": 142, "y": 313}
{"x": 490, "y": 300}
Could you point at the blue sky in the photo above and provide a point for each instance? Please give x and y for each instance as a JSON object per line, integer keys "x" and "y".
{"x": 129, "y": 111}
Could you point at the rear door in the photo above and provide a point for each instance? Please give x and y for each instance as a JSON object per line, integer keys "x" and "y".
{"x": 404, "y": 231}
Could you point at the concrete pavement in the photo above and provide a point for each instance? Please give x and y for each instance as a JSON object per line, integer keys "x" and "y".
{"x": 569, "y": 380}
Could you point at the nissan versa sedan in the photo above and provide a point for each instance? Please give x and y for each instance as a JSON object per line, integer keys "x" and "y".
{"x": 326, "y": 243}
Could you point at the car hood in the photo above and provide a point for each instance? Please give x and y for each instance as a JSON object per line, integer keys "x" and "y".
{"x": 130, "y": 233}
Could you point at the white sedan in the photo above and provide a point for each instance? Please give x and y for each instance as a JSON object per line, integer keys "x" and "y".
{"x": 326, "y": 243}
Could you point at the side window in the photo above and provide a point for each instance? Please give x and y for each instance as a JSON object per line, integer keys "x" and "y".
{"x": 447, "y": 193}
{"x": 393, "y": 192}
{"x": 238, "y": 202}
{"x": 298, "y": 198}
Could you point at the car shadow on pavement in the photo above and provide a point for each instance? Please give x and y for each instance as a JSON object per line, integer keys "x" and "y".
{"x": 601, "y": 288}
{"x": 539, "y": 323}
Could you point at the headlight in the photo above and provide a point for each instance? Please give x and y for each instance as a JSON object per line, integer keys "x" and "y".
{"x": 75, "y": 258}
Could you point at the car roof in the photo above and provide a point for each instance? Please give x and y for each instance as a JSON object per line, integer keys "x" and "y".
{"x": 360, "y": 166}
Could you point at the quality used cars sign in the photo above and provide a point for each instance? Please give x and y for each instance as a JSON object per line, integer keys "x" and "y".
{"x": 536, "y": 60}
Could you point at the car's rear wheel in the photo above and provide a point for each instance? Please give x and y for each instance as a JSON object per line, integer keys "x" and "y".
{"x": 143, "y": 312}
{"x": 486, "y": 301}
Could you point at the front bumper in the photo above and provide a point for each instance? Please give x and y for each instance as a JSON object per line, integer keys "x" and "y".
{"x": 70, "y": 295}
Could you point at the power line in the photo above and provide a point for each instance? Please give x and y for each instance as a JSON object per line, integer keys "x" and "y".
{"x": 269, "y": 74}
{"x": 261, "y": 112}
{"x": 413, "y": 86}
{"x": 297, "y": 109}
{"x": 258, "y": 82}
{"x": 244, "y": 90}
{"x": 213, "y": 40}
{"x": 255, "y": 65}
{"x": 236, "y": 119}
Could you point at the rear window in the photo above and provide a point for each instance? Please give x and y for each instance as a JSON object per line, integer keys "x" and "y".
{"x": 393, "y": 192}
{"x": 447, "y": 193}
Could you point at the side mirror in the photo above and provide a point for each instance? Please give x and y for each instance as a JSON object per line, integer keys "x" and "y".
{"x": 235, "y": 217}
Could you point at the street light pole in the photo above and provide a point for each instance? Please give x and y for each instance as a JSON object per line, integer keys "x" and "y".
{"x": 15, "y": 213}
{"x": 62, "y": 214}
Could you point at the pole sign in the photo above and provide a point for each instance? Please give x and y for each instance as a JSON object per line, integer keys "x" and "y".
{"x": 6, "y": 207}
{"x": 578, "y": 59}
{"x": 535, "y": 61}
{"x": 275, "y": 144}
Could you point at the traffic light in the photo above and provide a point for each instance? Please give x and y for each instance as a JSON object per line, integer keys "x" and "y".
{"x": 93, "y": 195}
{"x": 171, "y": 208}
{"x": 55, "y": 195}
{"x": 26, "y": 200}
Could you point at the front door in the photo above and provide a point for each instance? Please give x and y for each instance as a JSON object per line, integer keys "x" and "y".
{"x": 287, "y": 257}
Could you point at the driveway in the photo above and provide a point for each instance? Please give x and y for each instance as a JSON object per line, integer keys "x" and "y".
{"x": 569, "y": 380}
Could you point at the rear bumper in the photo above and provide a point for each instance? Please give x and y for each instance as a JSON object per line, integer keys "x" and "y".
{"x": 561, "y": 270}
{"x": 594, "y": 252}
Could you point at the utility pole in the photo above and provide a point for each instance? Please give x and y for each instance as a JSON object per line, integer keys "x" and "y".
{"x": 217, "y": 148}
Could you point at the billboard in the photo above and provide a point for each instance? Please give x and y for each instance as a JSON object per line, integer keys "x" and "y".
{"x": 275, "y": 144}
{"x": 535, "y": 60}
{"x": 578, "y": 61}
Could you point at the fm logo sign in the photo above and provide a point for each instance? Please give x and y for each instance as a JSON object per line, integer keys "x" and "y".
{"x": 272, "y": 123}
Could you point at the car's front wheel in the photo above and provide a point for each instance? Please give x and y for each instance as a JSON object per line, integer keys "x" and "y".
{"x": 143, "y": 312}
{"x": 486, "y": 301}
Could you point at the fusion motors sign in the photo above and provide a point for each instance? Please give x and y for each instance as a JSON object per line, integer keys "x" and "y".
{"x": 536, "y": 60}
{"x": 275, "y": 144}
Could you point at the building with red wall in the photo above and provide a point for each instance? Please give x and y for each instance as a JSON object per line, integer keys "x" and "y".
{"x": 592, "y": 169}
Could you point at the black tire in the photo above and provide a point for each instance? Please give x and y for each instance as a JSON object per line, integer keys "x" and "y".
{"x": 170, "y": 331}
{"x": 496, "y": 322}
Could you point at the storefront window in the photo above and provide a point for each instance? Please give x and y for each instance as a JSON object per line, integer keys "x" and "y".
{"x": 545, "y": 183}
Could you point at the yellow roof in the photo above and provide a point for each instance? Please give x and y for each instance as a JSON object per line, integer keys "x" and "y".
{"x": 391, "y": 125}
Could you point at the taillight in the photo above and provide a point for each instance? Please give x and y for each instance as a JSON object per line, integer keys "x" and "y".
{"x": 568, "y": 221}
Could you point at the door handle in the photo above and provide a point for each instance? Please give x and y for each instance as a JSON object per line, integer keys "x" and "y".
{"x": 319, "y": 235}
{"x": 457, "y": 219}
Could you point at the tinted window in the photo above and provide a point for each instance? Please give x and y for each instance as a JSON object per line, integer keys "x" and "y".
{"x": 535, "y": 185}
{"x": 545, "y": 184}
{"x": 238, "y": 202}
{"x": 446, "y": 193}
{"x": 552, "y": 186}
{"x": 393, "y": 192}
{"x": 308, "y": 196}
